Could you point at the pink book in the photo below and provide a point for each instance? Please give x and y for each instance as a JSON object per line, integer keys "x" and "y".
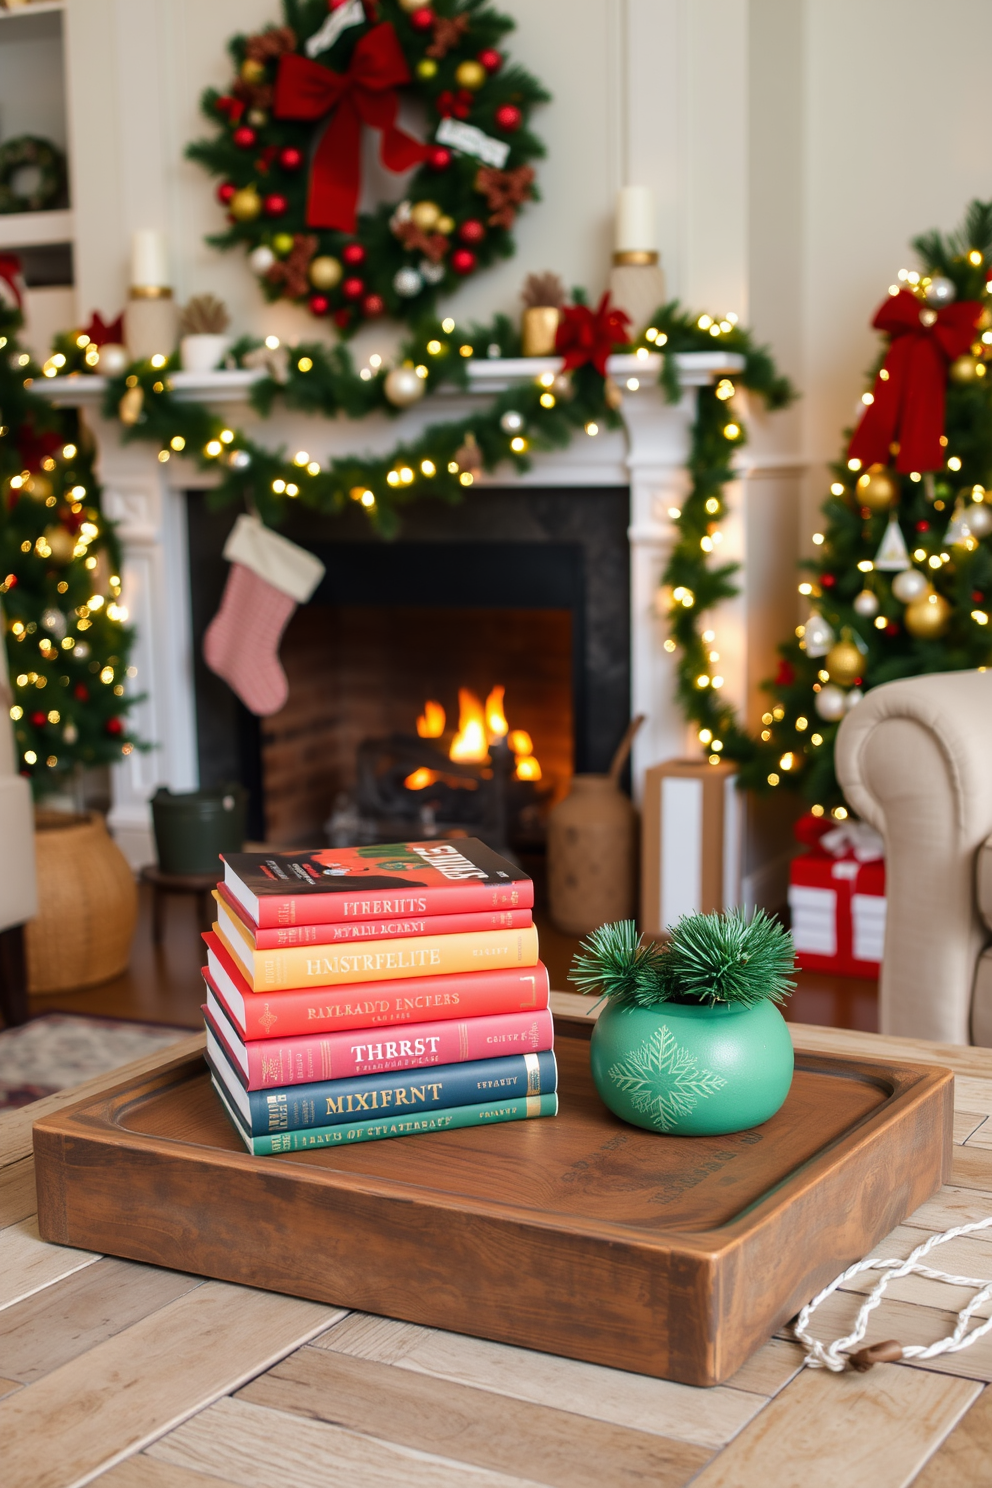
{"x": 336, "y": 1056}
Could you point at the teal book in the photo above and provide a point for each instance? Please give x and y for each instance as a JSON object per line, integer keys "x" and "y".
{"x": 491, "y": 1113}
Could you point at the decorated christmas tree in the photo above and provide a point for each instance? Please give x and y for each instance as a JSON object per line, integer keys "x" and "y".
{"x": 65, "y": 632}
{"x": 901, "y": 583}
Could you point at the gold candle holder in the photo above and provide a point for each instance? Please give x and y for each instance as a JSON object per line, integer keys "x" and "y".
{"x": 540, "y": 327}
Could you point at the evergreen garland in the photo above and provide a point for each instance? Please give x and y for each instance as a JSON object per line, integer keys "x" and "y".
{"x": 709, "y": 959}
{"x": 67, "y": 644}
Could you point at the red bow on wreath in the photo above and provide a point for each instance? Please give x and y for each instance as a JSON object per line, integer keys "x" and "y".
{"x": 586, "y": 335}
{"x": 909, "y": 391}
{"x": 364, "y": 94}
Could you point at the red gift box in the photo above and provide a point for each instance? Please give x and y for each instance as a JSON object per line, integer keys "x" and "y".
{"x": 837, "y": 898}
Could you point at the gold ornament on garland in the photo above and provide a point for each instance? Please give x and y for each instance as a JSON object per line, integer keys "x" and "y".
{"x": 928, "y": 617}
{"x": 470, "y": 75}
{"x": 425, "y": 214}
{"x": 252, "y": 71}
{"x": 404, "y": 387}
{"x": 877, "y": 490}
{"x": 844, "y": 661}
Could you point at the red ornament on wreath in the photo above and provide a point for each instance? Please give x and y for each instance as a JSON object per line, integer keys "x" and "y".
{"x": 225, "y": 191}
{"x": 114, "y": 726}
{"x": 352, "y": 288}
{"x": 352, "y": 254}
{"x": 319, "y": 304}
{"x": 290, "y": 112}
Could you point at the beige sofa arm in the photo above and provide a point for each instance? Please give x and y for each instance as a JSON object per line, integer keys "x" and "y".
{"x": 915, "y": 760}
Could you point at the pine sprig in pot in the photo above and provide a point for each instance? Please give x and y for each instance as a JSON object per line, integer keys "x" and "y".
{"x": 710, "y": 959}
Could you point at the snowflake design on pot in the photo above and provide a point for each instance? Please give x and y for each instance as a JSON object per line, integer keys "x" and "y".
{"x": 664, "y": 1080}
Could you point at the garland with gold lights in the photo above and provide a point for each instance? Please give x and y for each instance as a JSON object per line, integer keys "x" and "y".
{"x": 65, "y": 631}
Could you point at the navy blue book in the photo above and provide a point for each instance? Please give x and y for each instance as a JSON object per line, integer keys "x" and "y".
{"x": 393, "y": 1093}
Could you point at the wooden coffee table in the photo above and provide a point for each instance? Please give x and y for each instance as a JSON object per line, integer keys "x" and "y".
{"x": 136, "y": 1377}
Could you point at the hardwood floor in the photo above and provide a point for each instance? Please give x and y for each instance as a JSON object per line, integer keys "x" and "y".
{"x": 162, "y": 983}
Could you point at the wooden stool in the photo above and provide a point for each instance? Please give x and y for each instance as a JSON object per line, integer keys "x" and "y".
{"x": 199, "y": 884}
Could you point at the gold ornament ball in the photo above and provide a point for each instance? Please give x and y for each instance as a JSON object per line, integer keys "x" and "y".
{"x": 424, "y": 214}
{"x": 252, "y": 71}
{"x": 877, "y": 490}
{"x": 325, "y": 272}
{"x": 470, "y": 75}
{"x": 844, "y": 663}
{"x": 445, "y": 225}
{"x": 245, "y": 204}
{"x": 426, "y": 67}
{"x": 403, "y": 387}
{"x": 928, "y": 617}
{"x": 964, "y": 368}
{"x": 62, "y": 544}
{"x": 38, "y": 486}
{"x": 282, "y": 244}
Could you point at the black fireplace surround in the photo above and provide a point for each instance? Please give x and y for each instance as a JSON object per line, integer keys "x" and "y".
{"x": 522, "y": 547}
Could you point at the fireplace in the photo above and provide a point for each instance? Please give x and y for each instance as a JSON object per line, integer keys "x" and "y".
{"x": 523, "y": 588}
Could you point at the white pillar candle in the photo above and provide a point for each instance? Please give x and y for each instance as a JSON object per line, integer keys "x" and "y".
{"x": 636, "y": 230}
{"x": 149, "y": 259}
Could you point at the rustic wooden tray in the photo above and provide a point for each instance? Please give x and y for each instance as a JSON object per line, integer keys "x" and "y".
{"x": 674, "y": 1257}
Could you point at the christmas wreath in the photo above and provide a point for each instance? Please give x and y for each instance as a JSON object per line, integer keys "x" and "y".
{"x": 289, "y": 147}
{"x": 28, "y": 153}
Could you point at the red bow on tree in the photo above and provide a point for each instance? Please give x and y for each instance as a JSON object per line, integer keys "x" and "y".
{"x": 909, "y": 391}
{"x": 364, "y": 94}
{"x": 105, "y": 332}
{"x": 586, "y": 335}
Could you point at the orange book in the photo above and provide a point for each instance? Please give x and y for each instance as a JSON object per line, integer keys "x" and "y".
{"x": 377, "y": 960}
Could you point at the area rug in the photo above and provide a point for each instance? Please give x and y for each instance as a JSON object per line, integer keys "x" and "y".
{"x": 61, "y": 1049}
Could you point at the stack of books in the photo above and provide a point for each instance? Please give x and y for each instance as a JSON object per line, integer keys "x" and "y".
{"x": 367, "y": 992}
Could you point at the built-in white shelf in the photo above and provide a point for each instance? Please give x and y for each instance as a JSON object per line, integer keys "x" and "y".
{"x": 31, "y": 229}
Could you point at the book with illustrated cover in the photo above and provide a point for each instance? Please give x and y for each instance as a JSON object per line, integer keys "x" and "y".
{"x": 332, "y": 884}
{"x": 331, "y": 1102}
{"x": 279, "y": 936}
{"x": 524, "y": 1108}
{"x": 262, "y": 1064}
{"x": 264, "y": 1015}
{"x": 374, "y": 961}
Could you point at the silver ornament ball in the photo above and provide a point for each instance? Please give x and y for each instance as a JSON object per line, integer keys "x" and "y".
{"x": 407, "y": 282}
{"x": 853, "y": 698}
{"x": 910, "y": 585}
{"x": 431, "y": 273}
{"x": 261, "y": 259}
{"x": 403, "y": 387}
{"x": 831, "y": 702}
{"x": 979, "y": 519}
{"x": 866, "y": 603}
{"x": 940, "y": 291}
{"x": 512, "y": 421}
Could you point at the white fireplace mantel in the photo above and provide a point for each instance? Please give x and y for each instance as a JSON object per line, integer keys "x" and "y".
{"x": 146, "y": 498}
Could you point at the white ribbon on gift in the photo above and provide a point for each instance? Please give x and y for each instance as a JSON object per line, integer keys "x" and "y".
{"x": 854, "y": 837}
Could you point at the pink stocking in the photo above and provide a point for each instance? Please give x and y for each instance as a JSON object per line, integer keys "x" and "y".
{"x": 269, "y": 576}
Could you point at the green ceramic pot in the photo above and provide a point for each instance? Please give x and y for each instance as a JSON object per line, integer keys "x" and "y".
{"x": 692, "y": 1071}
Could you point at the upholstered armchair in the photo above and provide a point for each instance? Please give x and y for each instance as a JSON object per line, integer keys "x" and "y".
{"x": 18, "y": 889}
{"x": 915, "y": 760}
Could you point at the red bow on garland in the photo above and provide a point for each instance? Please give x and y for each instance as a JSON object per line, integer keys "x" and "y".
{"x": 910, "y": 389}
{"x": 103, "y": 332}
{"x": 364, "y": 94}
{"x": 586, "y": 335}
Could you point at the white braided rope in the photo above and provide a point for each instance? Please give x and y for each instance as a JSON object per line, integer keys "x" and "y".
{"x": 834, "y": 1356}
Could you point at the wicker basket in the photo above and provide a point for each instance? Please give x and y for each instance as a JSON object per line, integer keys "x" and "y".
{"x": 88, "y": 904}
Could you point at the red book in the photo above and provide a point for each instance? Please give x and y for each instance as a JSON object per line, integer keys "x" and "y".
{"x": 331, "y": 885}
{"x": 399, "y": 928}
{"x": 336, "y": 1056}
{"x": 470, "y": 994}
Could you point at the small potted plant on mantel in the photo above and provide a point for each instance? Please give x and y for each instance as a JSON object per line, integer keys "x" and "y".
{"x": 691, "y": 1042}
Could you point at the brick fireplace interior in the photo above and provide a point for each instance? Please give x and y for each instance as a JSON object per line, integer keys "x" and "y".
{"x": 523, "y": 588}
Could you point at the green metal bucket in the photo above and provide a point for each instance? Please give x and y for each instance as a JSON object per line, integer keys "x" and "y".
{"x": 192, "y": 828}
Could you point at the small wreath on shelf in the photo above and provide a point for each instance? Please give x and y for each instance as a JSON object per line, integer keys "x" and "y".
{"x": 289, "y": 152}
{"x": 28, "y": 152}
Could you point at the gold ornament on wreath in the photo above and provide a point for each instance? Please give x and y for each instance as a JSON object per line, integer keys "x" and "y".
{"x": 290, "y": 164}
{"x": 876, "y": 489}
